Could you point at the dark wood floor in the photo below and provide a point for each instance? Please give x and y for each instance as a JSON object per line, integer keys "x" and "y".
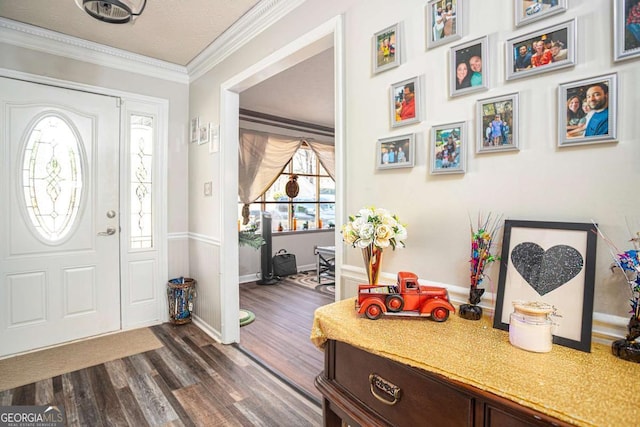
{"x": 279, "y": 337}
{"x": 190, "y": 381}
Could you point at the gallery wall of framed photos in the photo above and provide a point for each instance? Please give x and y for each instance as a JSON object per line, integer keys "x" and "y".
{"x": 521, "y": 146}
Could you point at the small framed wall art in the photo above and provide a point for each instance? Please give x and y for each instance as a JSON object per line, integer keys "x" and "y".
{"x": 469, "y": 67}
{"x": 405, "y": 105}
{"x": 552, "y": 263}
{"x": 444, "y": 21}
{"x": 626, "y": 29}
{"x": 497, "y": 124}
{"x": 396, "y": 152}
{"x": 527, "y": 11}
{"x": 194, "y": 129}
{"x": 448, "y": 148}
{"x": 386, "y": 49}
{"x": 203, "y": 137}
{"x": 587, "y": 111}
{"x": 549, "y": 49}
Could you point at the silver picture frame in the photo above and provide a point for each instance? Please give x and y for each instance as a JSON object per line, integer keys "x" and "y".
{"x": 527, "y": 11}
{"x": 396, "y": 152}
{"x": 599, "y": 123}
{"x": 626, "y": 37}
{"x": 444, "y": 25}
{"x": 448, "y": 149}
{"x": 469, "y": 55}
{"x": 402, "y": 109}
{"x": 497, "y": 124}
{"x": 386, "y": 49}
{"x": 558, "y": 40}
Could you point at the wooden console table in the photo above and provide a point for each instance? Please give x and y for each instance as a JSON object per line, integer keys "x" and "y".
{"x": 417, "y": 372}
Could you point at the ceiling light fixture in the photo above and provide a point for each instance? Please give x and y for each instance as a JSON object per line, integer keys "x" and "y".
{"x": 113, "y": 11}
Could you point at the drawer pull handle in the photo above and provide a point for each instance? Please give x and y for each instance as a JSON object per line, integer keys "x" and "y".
{"x": 389, "y": 389}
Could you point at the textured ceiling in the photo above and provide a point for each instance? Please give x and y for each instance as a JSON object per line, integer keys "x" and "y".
{"x": 175, "y": 31}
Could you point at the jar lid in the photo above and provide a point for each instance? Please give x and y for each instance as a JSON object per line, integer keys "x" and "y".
{"x": 532, "y": 308}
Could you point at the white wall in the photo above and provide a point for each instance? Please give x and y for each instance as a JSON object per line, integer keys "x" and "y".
{"x": 540, "y": 182}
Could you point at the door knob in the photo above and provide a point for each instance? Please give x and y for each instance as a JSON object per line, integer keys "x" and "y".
{"x": 110, "y": 231}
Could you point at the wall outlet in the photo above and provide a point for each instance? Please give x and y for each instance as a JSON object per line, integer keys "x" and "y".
{"x": 208, "y": 189}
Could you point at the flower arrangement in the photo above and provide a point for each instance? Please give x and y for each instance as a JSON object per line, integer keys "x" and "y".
{"x": 371, "y": 226}
{"x": 481, "y": 247}
{"x": 373, "y": 230}
{"x": 482, "y": 240}
{"x": 629, "y": 263}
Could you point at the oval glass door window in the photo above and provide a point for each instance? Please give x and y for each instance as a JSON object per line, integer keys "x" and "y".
{"x": 52, "y": 178}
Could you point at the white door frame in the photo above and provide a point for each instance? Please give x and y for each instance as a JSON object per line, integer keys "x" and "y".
{"x": 329, "y": 34}
{"x": 162, "y": 107}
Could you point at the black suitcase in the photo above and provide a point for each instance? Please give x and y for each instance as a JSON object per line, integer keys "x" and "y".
{"x": 284, "y": 264}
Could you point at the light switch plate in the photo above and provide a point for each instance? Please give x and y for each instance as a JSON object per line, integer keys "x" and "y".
{"x": 208, "y": 189}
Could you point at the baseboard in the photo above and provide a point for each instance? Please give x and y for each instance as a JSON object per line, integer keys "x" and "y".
{"x": 246, "y": 278}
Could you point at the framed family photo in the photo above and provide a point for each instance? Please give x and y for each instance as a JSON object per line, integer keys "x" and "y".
{"x": 528, "y": 11}
{"x": 444, "y": 21}
{"x": 396, "y": 152}
{"x": 448, "y": 148}
{"x": 587, "y": 111}
{"x": 626, "y": 29}
{"x": 553, "y": 263}
{"x": 549, "y": 49}
{"x": 386, "y": 49}
{"x": 469, "y": 67}
{"x": 405, "y": 105}
{"x": 497, "y": 124}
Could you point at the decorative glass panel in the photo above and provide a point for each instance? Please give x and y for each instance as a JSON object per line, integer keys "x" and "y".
{"x": 141, "y": 158}
{"x": 52, "y": 178}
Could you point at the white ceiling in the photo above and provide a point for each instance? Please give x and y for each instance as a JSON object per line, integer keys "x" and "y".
{"x": 177, "y": 31}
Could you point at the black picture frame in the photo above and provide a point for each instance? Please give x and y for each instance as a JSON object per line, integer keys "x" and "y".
{"x": 549, "y": 255}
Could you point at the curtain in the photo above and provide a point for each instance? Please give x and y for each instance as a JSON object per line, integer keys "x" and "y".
{"x": 326, "y": 153}
{"x": 262, "y": 158}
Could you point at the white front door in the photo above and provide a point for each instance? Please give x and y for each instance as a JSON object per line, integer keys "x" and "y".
{"x": 59, "y": 192}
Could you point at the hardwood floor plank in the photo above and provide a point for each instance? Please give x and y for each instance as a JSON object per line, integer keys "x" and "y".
{"x": 131, "y": 408}
{"x": 84, "y": 400}
{"x": 105, "y": 396}
{"x": 44, "y": 392}
{"x": 71, "y": 410}
{"x": 6, "y": 397}
{"x": 160, "y": 366}
{"x": 202, "y": 409}
{"x": 153, "y": 404}
{"x": 24, "y": 394}
{"x": 183, "y": 416}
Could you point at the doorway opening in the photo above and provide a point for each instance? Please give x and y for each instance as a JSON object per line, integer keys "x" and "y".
{"x": 322, "y": 38}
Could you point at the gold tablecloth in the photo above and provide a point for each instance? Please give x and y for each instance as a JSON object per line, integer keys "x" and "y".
{"x": 586, "y": 389}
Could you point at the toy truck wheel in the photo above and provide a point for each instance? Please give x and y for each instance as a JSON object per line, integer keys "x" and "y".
{"x": 395, "y": 303}
{"x": 439, "y": 314}
{"x": 374, "y": 311}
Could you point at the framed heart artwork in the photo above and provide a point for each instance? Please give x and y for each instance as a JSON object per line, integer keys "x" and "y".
{"x": 554, "y": 263}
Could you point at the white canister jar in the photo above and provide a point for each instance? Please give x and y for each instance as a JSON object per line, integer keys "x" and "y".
{"x": 530, "y": 326}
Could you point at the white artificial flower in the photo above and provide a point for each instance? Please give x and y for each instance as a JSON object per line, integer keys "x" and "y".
{"x": 376, "y": 227}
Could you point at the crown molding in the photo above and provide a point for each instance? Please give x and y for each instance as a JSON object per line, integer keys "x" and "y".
{"x": 252, "y": 23}
{"x": 47, "y": 41}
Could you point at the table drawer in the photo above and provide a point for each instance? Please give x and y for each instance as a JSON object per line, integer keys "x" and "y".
{"x": 405, "y": 396}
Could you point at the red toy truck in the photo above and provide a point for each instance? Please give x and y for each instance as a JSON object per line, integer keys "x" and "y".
{"x": 405, "y": 298}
